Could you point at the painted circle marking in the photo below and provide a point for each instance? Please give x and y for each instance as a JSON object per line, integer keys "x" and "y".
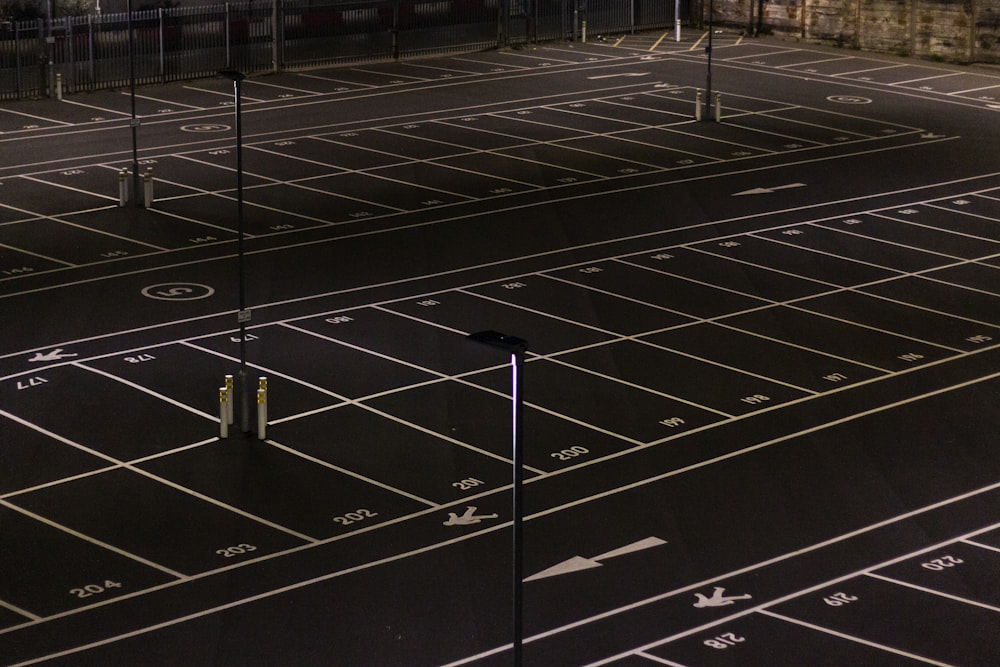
{"x": 849, "y": 99}
{"x": 206, "y": 127}
{"x": 178, "y": 291}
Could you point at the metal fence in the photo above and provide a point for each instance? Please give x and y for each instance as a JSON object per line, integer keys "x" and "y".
{"x": 80, "y": 53}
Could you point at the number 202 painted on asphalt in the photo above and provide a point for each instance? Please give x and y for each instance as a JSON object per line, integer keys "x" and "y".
{"x": 355, "y": 516}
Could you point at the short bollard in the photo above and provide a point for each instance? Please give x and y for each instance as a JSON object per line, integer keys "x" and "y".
{"x": 59, "y": 94}
{"x": 718, "y": 108}
{"x": 223, "y": 413}
{"x": 147, "y": 187}
{"x": 261, "y": 407}
{"x": 261, "y": 414}
{"x": 697, "y": 105}
{"x": 123, "y": 187}
{"x": 230, "y": 388}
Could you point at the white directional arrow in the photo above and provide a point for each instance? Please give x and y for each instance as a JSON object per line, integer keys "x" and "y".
{"x": 54, "y": 355}
{"x": 993, "y": 106}
{"x": 930, "y": 135}
{"x": 773, "y": 188}
{"x": 577, "y": 563}
{"x": 611, "y": 76}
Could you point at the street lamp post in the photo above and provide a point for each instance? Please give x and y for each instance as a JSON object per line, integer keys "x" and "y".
{"x": 243, "y": 315}
{"x": 708, "y": 52}
{"x": 134, "y": 121}
{"x": 516, "y": 347}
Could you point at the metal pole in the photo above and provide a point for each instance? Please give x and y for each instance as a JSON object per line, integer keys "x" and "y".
{"x": 134, "y": 122}
{"x": 243, "y": 315}
{"x": 244, "y": 390}
{"x": 516, "y": 347}
{"x": 677, "y": 20}
{"x": 708, "y": 51}
{"x": 517, "y": 541}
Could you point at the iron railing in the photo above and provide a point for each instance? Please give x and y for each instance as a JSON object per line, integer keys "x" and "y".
{"x": 80, "y": 53}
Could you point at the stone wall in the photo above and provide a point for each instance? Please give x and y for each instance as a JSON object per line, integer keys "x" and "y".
{"x": 955, "y": 30}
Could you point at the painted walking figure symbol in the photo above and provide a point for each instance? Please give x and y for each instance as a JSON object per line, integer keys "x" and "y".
{"x": 717, "y": 599}
{"x": 468, "y": 517}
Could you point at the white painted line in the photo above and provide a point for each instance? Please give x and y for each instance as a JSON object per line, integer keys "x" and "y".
{"x": 763, "y": 445}
{"x": 853, "y": 638}
{"x": 156, "y": 478}
{"x": 835, "y": 59}
{"x": 360, "y": 402}
{"x": 68, "y": 187}
{"x": 777, "y": 52}
{"x": 932, "y": 591}
{"x": 35, "y": 254}
{"x": 915, "y": 223}
{"x": 124, "y": 114}
{"x": 804, "y": 348}
{"x": 254, "y": 598}
{"x": 981, "y": 545}
{"x": 926, "y": 78}
{"x": 171, "y": 102}
{"x": 19, "y": 611}
{"x": 360, "y": 86}
{"x": 57, "y": 482}
{"x": 350, "y": 473}
{"x": 976, "y": 90}
{"x": 91, "y": 230}
{"x": 92, "y": 540}
{"x": 657, "y": 43}
{"x": 146, "y": 390}
{"x": 962, "y": 212}
{"x": 45, "y": 119}
{"x": 461, "y": 269}
{"x": 750, "y": 568}
{"x": 654, "y": 658}
{"x": 554, "y": 359}
{"x": 863, "y": 71}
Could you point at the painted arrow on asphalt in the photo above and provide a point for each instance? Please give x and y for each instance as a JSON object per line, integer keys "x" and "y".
{"x": 764, "y": 191}
{"x": 611, "y": 76}
{"x": 54, "y": 355}
{"x": 577, "y": 563}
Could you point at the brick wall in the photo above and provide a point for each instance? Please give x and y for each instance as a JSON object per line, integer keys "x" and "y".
{"x": 956, "y": 30}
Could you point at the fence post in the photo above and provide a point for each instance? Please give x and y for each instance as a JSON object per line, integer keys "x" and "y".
{"x": 163, "y": 47}
{"x": 275, "y": 67}
{"x": 69, "y": 57}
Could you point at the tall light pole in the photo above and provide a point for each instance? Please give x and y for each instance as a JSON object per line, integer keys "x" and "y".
{"x": 516, "y": 347}
{"x": 708, "y": 52}
{"x": 243, "y": 315}
{"x": 134, "y": 122}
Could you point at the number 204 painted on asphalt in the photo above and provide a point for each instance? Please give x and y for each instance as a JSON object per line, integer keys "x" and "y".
{"x": 91, "y": 590}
